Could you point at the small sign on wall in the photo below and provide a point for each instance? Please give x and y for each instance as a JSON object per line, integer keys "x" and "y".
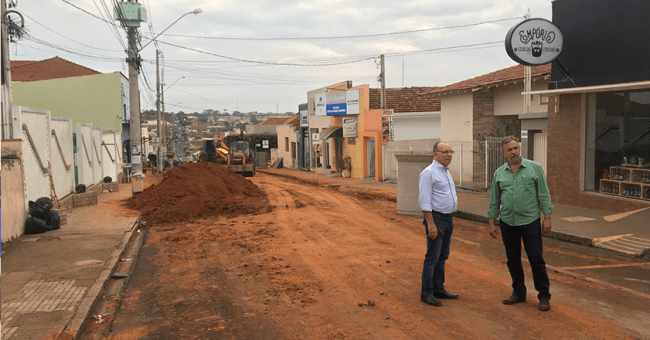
{"x": 349, "y": 127}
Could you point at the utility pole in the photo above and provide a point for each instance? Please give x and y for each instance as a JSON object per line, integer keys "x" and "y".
{"x": 383, "y": 83}
{"x": 159, "y": 133}
{"x": 134, "y": 99}
{"x": 7, "y": 124}
{"x": 164, "y": 117}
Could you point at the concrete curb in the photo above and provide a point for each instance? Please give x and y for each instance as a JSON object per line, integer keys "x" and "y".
{"x": 82, "y": 313}
{"x": 558, "y": 235}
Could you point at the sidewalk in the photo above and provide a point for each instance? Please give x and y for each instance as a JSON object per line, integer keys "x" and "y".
{"x": 627, "y": 233}
{"x": 50, "y": 281}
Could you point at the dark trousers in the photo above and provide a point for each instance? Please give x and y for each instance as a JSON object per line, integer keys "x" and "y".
{"x": 531, "y": 235}
{"x": 433, "y": 272}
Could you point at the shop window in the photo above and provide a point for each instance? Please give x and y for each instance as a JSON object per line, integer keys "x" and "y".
{"x": 617, "y": 155}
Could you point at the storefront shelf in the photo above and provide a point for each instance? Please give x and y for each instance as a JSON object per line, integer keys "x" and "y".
{"x": 620, "y": 186}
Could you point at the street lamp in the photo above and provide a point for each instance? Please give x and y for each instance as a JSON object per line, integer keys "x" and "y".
{"x": 158, "y": 87}
{"x": 170, "y": 109}
{"x": 196, "y": 11}
{"x": 172, "y": 85}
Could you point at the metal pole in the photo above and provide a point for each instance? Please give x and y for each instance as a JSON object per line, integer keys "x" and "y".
{"x": 383, "y": 84}
{"x": 486, "y": 163}
{"x": 159, "y": 132}
{"x": 7, "y": 131}
{"x": 134, "y": 101}
{"x": 461, "y": 163}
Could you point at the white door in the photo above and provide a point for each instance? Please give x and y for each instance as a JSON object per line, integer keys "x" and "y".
{"x": 539, "y": 149}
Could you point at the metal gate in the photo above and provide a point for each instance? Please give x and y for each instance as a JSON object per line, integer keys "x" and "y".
{"x": 62, "y": 161}
{"x": 109, "y": 154}
{"x": 35, "y": 126}
{"x": 84, "y": 158}
{"x": 95, "y": 149}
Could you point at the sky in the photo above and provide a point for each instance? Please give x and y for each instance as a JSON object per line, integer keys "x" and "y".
{"x": 265, "y": 56}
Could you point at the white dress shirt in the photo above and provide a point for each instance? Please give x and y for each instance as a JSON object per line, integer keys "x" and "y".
{"x": 437, "y": 190}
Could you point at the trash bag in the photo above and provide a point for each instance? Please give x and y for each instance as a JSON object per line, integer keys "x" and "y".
{"x": 80, "y": 188}
{"x": 55, "y": 221}
{"x": 108, "y": 179}
{"x": 35, "y": 225}
{"x": 45, "y": 200}
{"x": 39, "y": 210}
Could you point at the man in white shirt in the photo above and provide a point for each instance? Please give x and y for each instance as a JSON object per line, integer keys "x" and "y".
{"x": 438, "y": 203}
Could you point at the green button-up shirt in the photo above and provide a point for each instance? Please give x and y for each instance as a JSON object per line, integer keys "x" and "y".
{"x": 520, "y": 195}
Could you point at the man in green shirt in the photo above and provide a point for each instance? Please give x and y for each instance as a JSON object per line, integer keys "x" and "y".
{"x": 519, "y": 188}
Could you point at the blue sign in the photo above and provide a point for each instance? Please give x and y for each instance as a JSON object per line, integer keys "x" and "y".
{"x": 336, "y": 109}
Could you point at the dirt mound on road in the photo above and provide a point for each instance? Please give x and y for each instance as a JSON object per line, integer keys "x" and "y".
{"x": 199, "y": 190}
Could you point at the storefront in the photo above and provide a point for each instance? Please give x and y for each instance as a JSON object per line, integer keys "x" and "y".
{"x": 599, "y": 106}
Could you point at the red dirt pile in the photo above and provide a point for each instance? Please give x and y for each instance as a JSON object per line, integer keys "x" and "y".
{"x": 199, "y": 190}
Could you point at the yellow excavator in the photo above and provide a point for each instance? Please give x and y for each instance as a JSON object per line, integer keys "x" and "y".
{"x": 240, "y": 157}
{"x": 213, "y": 150}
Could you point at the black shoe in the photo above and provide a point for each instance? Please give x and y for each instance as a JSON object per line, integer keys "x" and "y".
{"x": 514, "y": 299}
{"x": 445, "y": 295}
{"x": 544, "y": 305}
{"x": 431, "y": 300}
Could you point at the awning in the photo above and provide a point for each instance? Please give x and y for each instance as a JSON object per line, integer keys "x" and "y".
{"x": 598, "y": 88}
{"x": 331, "y": 132}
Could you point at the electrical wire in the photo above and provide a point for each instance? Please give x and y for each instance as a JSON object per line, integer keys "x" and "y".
{"x": 262, "y": 62}
{"x": 63, "y": 36}
{"x": 345, "y": 36}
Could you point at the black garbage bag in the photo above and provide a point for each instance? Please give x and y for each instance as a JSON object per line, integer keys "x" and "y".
{"x": 55, "y": 221}
{"x": 39, "y": 210}
{"x": 45, "y": 200}
{"x": 35, "y": 225}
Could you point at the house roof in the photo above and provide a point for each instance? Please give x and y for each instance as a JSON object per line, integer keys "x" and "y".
{"x": 53, "y": 68}
{"x": 293, "y": 120}
{"x": 500, "y": 76}
{"x": 273, "y": 121}
{"x": 408, "y": 99}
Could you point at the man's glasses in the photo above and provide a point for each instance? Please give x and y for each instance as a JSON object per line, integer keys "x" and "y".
{"x": 447, "y": 152}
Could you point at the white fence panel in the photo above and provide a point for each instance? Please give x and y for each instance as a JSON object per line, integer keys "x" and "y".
{"x": 119, "y": 151}
{"x": 109, "y": 156}
{"x": 96, "y": 142}
{"x": 35, "y": 125}
{"x": 62, "y": 161}
{"x": 84, "y": 158}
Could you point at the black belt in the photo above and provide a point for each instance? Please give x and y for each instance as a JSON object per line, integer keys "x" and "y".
{"x": 439, "y": 213}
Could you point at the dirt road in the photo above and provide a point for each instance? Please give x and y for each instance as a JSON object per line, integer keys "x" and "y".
{"x": 300, "y": 271}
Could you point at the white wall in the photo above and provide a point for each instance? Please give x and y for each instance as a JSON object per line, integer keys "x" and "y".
{"x": 287, "y": 131}
{"x": 416, "y": 125}
{"x": 456, "y": 117}
{"x": 389, "y": 161}
{"x": 509, "y": 101}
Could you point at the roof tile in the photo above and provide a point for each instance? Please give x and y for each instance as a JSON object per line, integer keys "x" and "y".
{"x": 406, "y": 99}
{"x": 53, "y": 68}
{"x": 500, "y": 76}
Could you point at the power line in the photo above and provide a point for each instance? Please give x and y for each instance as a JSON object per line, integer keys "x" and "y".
{"x": 261, "y": 62}
{"x": 61, "y": 35}
{"x": 345, "y": 36}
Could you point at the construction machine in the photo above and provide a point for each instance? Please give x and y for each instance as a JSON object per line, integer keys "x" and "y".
{"x": 213, "y": 150}
{"x": 241, "y": 158}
